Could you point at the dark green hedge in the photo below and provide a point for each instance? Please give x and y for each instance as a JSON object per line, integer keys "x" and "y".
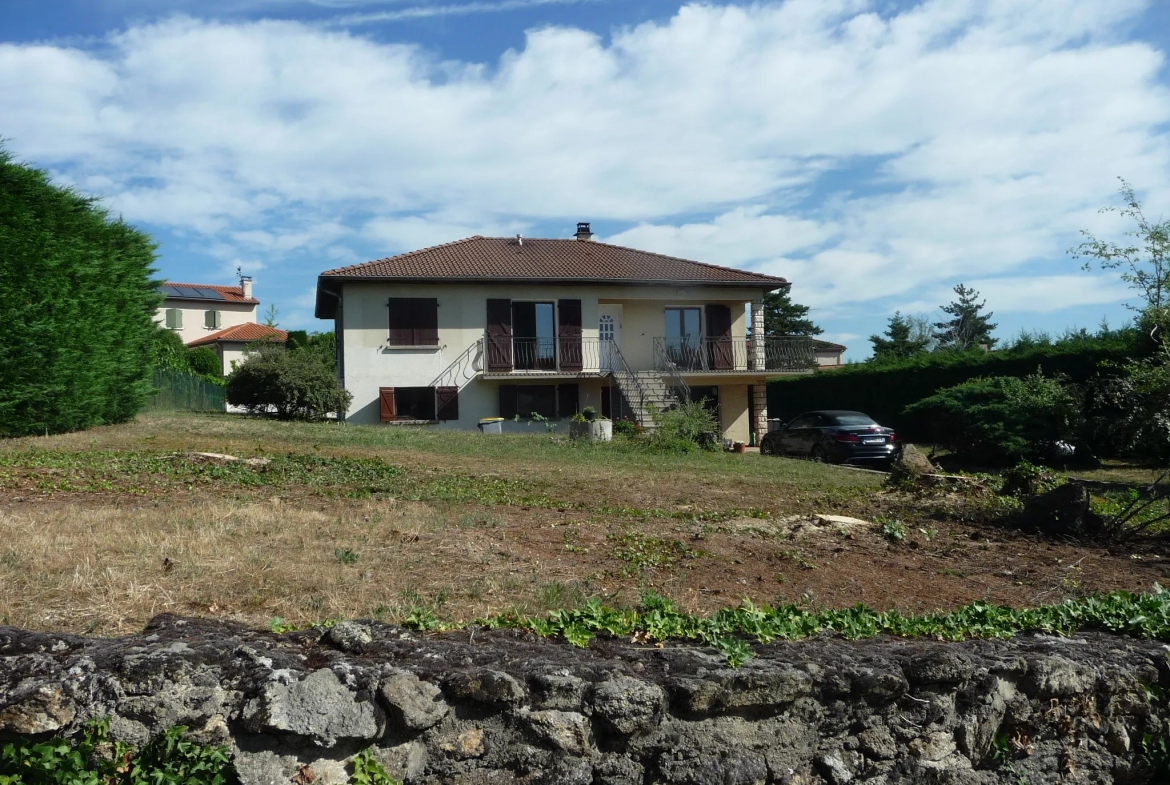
{"x": 76, "y": 309}
{"x": 883, "y": 391}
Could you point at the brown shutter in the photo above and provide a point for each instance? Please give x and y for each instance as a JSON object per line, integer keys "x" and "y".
{"x": 570, "y": 335}
{"x": 401, "y": 321}
{"x": 426, "y": 321}
{"x": 448, "y": 398}
{"x": 386, "y": 400}
{"x": 499, "y": 336}
{"x": 568, "y": 400}
{"x": 721, "y": 353}
{"x": 507, "y": 401}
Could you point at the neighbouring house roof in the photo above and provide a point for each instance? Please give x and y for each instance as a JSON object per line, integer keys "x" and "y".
{"x": 828, "y": 346}
{"x": 247, "y": 332}
{"x": 496, "y": 259}
{"x": 205, "y": 292}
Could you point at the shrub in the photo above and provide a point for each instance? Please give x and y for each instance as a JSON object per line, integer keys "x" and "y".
{"x": 204, "y": 361}
{"x": 168, "y": 351}
{"x": 1129, "y": 414}
{"x": 293, "y": 385}
{"x": 1002, "y": 419}
{"x": 690, "y": 426}
{"x": 77, "y": 307}
{"x": 624, "y": 427}
{"x": 884, "y": 390}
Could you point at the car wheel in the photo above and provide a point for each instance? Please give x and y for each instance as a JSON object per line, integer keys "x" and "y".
{"x": 766, "y": 447}
{"x": 818, "y": 454}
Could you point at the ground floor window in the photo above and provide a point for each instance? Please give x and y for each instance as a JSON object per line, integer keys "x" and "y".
{"x": 414, "y": 403}
{"x": 418, "y": 403}
{"x": 546, "y": 400}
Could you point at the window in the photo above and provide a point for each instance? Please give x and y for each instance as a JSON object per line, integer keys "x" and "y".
{"x": 174, "y": 319}
{"x": 212, "y": 320}
{"x": 534, "y": 336}
{"x": 682, "y": 337}
{"x": 524, "y": 400}
{"x": 414, "y": 403}
{"x": 414, "y": 321}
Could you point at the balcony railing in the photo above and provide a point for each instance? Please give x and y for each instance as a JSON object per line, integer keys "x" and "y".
{"x": 517, "y": 356}
{"x": 771, "y": 354}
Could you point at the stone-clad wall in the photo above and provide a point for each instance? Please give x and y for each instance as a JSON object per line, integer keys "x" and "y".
{"x": 501, "y": 707}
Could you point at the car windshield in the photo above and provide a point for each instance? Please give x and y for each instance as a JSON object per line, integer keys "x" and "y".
{"x": 851, "y": 419}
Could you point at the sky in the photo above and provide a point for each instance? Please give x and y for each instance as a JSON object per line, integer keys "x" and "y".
{"x": 874, "y": 153}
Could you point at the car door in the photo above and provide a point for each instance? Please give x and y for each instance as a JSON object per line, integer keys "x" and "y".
{"x": 793, "y": 437}
{"x": 812, "y": 433}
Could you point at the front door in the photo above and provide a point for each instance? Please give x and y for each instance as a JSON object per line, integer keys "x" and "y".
{"x": 609, "y": 333}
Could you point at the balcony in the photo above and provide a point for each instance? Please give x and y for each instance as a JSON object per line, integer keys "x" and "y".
{"x": 771, "y": 354}
{"x": 502, "y": 357}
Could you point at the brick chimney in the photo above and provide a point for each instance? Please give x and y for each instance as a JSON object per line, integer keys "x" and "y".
{"x": 583, "y": 232}
{"x": 246, "y": 285}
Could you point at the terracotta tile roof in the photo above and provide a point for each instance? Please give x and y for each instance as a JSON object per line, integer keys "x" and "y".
{"x": 502, "y": 258}
{"x": 231, "y": 294}
{"x": 825, "y": 346}
{"x": 249, "y": 331}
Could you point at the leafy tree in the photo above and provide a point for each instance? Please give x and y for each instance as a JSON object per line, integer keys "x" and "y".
{"x": 968, "y": 327}
{"x": 77, "y": 305}
{"x": 204, "y": 361}
{"x": 784, "y": 317}
{"x": 1002, "y": 419}
{"x": 292, "y": 384}
{"x": 898, "y": 342}
{"x": 169, "y": 352}
{"x": 1145, "y": 264}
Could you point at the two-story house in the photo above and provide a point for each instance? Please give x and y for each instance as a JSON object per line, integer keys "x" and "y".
{"x": 220, "y": 317}
{"x": 512, "y": 326}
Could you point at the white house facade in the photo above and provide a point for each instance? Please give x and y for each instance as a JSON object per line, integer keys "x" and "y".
{"x": 517, "y": 327}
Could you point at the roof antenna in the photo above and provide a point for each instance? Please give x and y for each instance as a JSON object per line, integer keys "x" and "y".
{"x": 519, "y": 239}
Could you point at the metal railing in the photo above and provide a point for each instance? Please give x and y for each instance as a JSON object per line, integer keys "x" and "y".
{"x": 664, "y": 363}
{"x": 518, "y": 356}
{"x": 771, "y": 354}
{"x": 463, "y": 369}
{"x": 628, "y": 385}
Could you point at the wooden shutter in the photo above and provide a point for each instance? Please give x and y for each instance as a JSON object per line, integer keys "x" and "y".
{"x": 568, "y": 400}
{"x": 174, "y": 319}
{"x": 386, "y": 401}
{"x": 722, "y": 352}
{"x": 448, "y": 399}
{"x": 507, "y": 401}
{"x": 570, "y": 335}
{"x": 499, "y": 337}
{"x": 402, "y": 320}
{"x": 426, "y": 321}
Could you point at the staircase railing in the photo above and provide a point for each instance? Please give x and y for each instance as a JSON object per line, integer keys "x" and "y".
{"x": 664, "y": 363}
{"x": 463, "y": 369}
{"x": 628, "y": 384}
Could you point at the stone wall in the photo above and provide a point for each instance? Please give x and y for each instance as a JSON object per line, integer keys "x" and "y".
{"x": 503, "y": 707}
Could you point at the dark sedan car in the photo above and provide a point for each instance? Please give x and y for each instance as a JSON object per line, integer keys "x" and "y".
{"x": 833, "y": 436}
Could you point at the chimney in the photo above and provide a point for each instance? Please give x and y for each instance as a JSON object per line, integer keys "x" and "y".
{"x": 583, "y": 232}
{"x": 246, "y": 285}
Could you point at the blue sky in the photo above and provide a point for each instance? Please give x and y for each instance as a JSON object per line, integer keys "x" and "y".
{"x": 874, "y": 153}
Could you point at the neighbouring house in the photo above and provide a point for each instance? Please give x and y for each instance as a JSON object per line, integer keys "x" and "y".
{"x": 829, "y": 355}
{"x": 517, "y": 327}
{"x": 222, "y": 317}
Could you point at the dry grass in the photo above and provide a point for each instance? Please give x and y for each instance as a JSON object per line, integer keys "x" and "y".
{"x": 101, "y": 530}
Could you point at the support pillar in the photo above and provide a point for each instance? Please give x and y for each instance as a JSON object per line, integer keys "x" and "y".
{"x": 760, "y": 408}
{"x": 758, "y": 357}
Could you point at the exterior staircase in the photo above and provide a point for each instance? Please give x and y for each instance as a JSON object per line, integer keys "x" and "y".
{"x": 644, "y": 393}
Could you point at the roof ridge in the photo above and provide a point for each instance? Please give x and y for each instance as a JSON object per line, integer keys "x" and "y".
{"x": 203, "y": 285}
{"x": 407, "y": 254}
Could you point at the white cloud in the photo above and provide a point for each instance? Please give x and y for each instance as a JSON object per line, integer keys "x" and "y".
{"x": 744, "y": 135}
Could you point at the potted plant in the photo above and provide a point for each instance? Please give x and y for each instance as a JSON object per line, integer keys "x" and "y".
{"x": 586, "y": 424}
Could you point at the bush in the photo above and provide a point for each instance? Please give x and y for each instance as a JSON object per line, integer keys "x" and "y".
{"x": 1129, "y": 414}
{"x": 77, "y": 307}
{"x": 204, "y": 361}
{"x": 1002, "y": 419}
{"x": 168, "y": 351}
{"x": 293, "y": 385}
{"x": 625, "y": 427}
{"x": 885, "y": 390}
{"x": 689, "y": 427}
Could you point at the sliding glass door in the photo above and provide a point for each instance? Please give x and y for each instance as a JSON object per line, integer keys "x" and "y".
{"x": 534, "y": 336}
{"x": 682, "y": 337}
